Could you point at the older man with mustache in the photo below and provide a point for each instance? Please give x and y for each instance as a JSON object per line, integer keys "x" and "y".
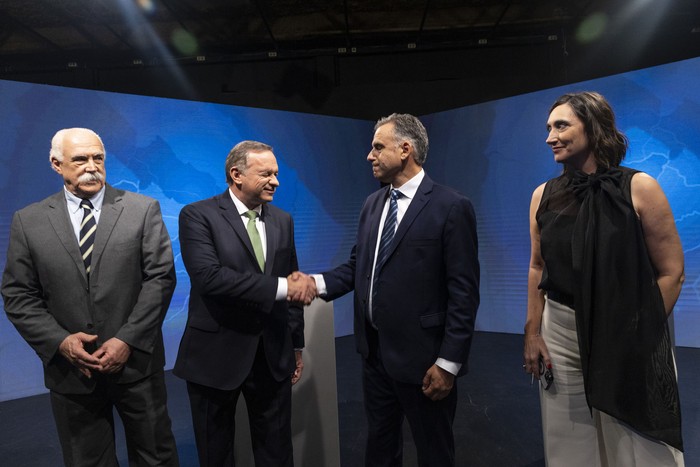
{"x": 88, "y": 281}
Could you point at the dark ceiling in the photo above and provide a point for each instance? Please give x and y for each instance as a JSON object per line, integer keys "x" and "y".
{"x": 117, "y": 32}
{"x": 48, "y": 36}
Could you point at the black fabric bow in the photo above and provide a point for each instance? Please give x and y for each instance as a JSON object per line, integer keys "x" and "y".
{"x": 583, "y": 183}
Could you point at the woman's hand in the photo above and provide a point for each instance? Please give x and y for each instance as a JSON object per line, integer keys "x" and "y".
{"x": 534, "y": 347}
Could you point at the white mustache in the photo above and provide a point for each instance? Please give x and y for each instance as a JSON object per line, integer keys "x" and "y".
{"x": 91, "y": 177}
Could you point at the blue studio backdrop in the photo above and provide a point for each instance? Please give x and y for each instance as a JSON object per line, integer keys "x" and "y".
{"x": 494, "y": 152}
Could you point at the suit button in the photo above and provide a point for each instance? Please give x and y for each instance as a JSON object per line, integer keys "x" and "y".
{"x": 89, "y": 325}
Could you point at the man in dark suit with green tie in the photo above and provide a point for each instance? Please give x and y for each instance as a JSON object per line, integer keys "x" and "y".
{"x": 243, "y": 335}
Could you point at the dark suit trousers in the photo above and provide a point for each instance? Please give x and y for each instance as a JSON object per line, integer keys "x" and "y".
{"x": 269, "y": 405}
{"x": 85, "y": 423}
{"x": 387, "y": 401}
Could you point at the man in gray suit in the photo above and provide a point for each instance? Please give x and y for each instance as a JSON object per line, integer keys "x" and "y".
{"x": 88, "y": 281}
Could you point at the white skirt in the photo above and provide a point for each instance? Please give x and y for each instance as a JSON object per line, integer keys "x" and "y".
{"x": 572, "y": 437}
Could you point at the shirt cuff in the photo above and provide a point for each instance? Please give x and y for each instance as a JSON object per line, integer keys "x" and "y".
{"x": 451, "y": 367}
{"x": 320, "y": 284}
{"x": 281, "y": 289}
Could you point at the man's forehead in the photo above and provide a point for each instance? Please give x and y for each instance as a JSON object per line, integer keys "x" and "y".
{"x": 85, "y": 150}
{"x": 262, "y": 159}
{"x": 383, "y": 132}
{"x": 260, "y": 155}
{"x": 82, "y": 140}
{"x": 385, "y": 129}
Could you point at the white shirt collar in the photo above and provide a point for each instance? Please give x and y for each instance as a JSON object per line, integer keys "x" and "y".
{"x": 73, "y": 201}
{"x": 242, "y": 208}
{"x": 408, "y": 189}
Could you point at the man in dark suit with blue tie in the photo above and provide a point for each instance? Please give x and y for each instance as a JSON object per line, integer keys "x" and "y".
{"x": 243, "y": 335}
{"x": 415, "y": 273}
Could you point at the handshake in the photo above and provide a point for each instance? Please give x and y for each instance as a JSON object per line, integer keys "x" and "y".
{"x": 301, "y": 288}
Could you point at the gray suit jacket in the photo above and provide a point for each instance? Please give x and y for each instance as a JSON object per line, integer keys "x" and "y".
{"x": 48, "y": 296}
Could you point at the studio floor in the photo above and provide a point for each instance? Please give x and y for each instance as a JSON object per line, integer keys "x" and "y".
{"x": 497, "y": 422}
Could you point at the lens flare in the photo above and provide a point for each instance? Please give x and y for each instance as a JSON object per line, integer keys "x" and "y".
{"x": 591, "y": 28}
{"x": 184, "y": 42}
{"x": 146, "y": 5}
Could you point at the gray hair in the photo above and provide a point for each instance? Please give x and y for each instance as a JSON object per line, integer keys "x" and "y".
{"x": 408, "y": 128}
{"x": 238, "y": 156}
{"x": 56, "y": 151}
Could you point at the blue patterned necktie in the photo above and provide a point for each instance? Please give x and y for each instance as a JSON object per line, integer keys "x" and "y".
{"x": 387, "y": 233}
{"x": 87, "y": 233}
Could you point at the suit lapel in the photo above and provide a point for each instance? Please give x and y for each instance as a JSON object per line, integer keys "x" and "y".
{"x": 233, "y": 218}
{"x": 417, "y": 204}
{"x": 60, "y": 221}
{"x": 112, "y": 208}
{"x": 272, "y": 236}
{"x": 375, "y": 216}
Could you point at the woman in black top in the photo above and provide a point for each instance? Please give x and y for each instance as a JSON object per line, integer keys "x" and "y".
{"x": 606, "y": 269}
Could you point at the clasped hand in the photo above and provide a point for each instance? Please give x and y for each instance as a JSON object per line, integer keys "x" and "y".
{"x": 301, "y": 288}
{"x": 109, "y": 358}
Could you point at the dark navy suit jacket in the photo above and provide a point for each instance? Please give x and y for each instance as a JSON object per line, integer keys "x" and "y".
{"x": 232, "y": 302}
{"x": 428, "y": 289}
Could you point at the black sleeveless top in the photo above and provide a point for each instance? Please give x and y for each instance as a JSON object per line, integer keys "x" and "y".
{"x": 596, "y": 261}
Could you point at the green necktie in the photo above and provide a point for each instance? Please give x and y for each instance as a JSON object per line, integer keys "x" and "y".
{"x": 255, "y": 238}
